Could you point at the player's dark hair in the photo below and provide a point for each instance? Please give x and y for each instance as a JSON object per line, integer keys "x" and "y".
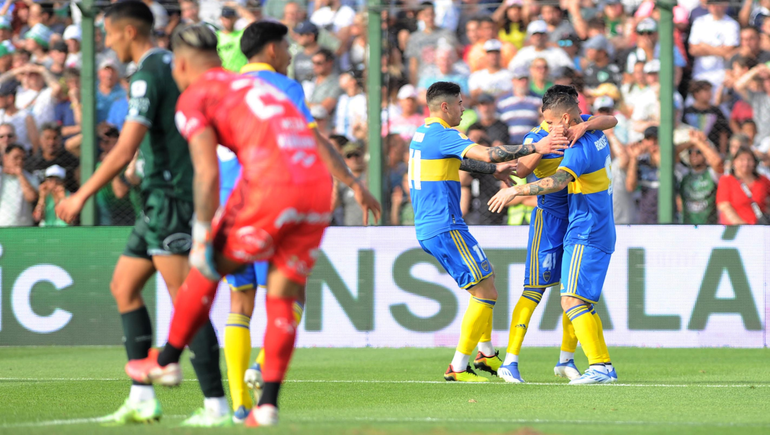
{"x": 425, "y": 5}
{"x": 51, "y": 126}
{"x": 560, "y": 98}
{"x": 745, "y": 62}
{"x": 257, "y": 35}
{"x": 135, "y": 11}
{"x": 699, "y": 85}
{"x": 440, "y": 91}
{"x": 199, "y": 37}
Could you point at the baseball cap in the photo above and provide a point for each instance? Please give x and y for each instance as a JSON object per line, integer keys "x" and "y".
{"x": 603, "y": 102}
{"x": 493, "y": 45}
{"x": 407, "y": 91}
{"x": 647, "y": 25}
{"x": 485, "y": 99}
{"x": 72, "y": 32}
{"x": 8, "y": 88}
{"x": 228, "y": 12}
{"x": 652, "y": 67}
{"x": 597, "y": 42}
{"x": 520, "y": 72}
{"x": 41, "y": 34}
{"x": 537, "y": 26}
{"x": 4, "y": 50}
{"x": 305, "y": 28}
{"x": 55, "y": 171}
{"x": 651, "y": 132}
{"x": 352, "y": 147}
{"x": 109, "y": 62}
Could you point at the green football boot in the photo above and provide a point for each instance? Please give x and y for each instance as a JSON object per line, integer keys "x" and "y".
{"x": 143, "y": 412}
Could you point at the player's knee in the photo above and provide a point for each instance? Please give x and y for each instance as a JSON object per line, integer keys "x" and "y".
{"x": 242, "y": 302}
{"x": 568, "y": 302}
{"x": 485, "y": 290}
{"x": 124, "y": 295}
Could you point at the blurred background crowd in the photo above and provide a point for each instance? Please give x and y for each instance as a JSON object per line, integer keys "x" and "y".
{"x": 504, "y": 55}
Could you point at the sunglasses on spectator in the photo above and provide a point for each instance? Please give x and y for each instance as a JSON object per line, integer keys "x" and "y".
{"x": 695, "y": 151}
{"x": 9, "y": 135}
{"x": 644, "y": 33}
{"x": 352, "y": 155}
{"x": 319, "y": 62}
{"x": 566, "y": 43}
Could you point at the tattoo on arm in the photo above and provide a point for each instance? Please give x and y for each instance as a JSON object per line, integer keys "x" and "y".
{"x": 554, "y": 183}
{"x": 504, "y": 153}
{"x": 476, "y": 166}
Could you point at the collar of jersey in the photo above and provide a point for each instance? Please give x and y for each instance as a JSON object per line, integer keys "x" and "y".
{"x": 544, "y": 126}
{"x": 429, "y": 121}
{"x": 256, "y": 66}
{"x": 147, "y": 54}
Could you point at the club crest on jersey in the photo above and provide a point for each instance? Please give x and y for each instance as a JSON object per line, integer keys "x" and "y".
{"x": 485, "y": 266}
{"x": 547, "y": 275}
{"x": 138, "y": 88}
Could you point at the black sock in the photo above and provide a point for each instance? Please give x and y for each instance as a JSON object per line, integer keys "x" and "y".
{"x": 270, "y": 394}
{"x": 169, "y": 354}
{"x": 137, "y": 334}
{"x": 204, "y": 356}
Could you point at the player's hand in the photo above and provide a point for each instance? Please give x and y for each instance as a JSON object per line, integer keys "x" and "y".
{"x": 367, "y": 202}
{"x": 504, "y": 171}
{"x": 69, "y": 208}
{"x": 576, "y": 132}
{"x": 552, "y": 144}
{"x": 502, "y": 199}
{"x": 202, "y": 251}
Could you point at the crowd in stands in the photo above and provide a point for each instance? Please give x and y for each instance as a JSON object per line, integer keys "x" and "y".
{"x": 504, "y": 55}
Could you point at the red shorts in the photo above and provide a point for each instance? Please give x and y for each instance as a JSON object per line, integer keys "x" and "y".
{"x": 280, "y": 224}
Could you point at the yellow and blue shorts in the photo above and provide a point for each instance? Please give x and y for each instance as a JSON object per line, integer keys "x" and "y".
{"x": 544, "y": 250}
{"x": 460, "y": 255}
{"x": 249, "y": 278}
{"x": 584, "y": 268}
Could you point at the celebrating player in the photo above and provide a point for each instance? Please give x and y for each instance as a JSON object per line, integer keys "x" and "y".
{"x": 161, "y": 239}
{"x": 277, "y": 212}
{"x": 590, "y": 237}
{"x": 545, "y": 248}
{"x": 265, "y": 45}
{"x": 436, "y": 154}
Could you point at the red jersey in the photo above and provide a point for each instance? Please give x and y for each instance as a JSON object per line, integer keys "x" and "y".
{"x": 729, "y": 190}
{"x": 257, "y": 122}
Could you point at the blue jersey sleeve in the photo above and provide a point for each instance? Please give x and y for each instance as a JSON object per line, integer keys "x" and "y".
{"x": 297, "y": 96}
{"x": 455, "y": 144}
{"x": 586, "y": 117}
{"x": 575, "y": 160}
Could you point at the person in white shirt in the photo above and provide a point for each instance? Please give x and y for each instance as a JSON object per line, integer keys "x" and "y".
{"x": 537, "y": 33}
{"x": 493, "y": 80}
{"x": 24, "y": 128}
{"x": 647, "y": 107}
{"x": 18, "y": 189}
{"x": 713, "y": 39}
{"x": 333, "y": 16}
{"x": 350, "y": 116}
{"x": 39, "y": 91}
{"x": 72, "y": 36}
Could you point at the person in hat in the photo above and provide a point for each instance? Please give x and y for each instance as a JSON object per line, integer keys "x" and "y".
{"x": 648, "y": 48}
{"x": 108, "y": 89}
{"x": 25, "y": 129}
{"x": 37, "y": 41}
{"x": 537, "y": 36}
{"x": 405, "y": 123}
{"x": 354, "y": 154}
{"x": 72, "y": 35}
{"x": 38, "y": 93}
{"x": 18, "y": 189}
{"x": 713, "y": 37}
{"x": 494, "y": 79}
{"x": 229, "y": 46}
{"x": 600, "y": 68}
{"x": 306, "y": 35}
{"x": 52, "y": 191}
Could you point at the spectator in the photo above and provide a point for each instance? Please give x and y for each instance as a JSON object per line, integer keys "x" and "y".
{"x": 634, "y": 87}
{"x": 53, "y": 153}
{"x": 646, "y": 112}
{"x": 397, "y": 154}
{"x": 698, "y": 183}
{"x": 749, "y": 48}
{"x": 713, "y": 38}
{"x": 229, "y": 46}
{"x": 334, "y": 17}
{"x": 37, "y": 41}
{"x": 759, "y": 99}
{"x": 471, "y": 37}
{"x": 513, "y": 26}
{"x": 623, "y": 204}
{"x": 737, "y": 141}
{"x": 614, "y": 20}
{"x": 7, "y": 136}
{"x": 571, "y": 46}
{"x": 478, "y": 57}
{"x": 353, "y": 152}
{"x": 743, "y": 194}
{"x": 159, "y": 14}
{"x": 113, "y": 200}
{"x": 557, "y": 25}
{"x": 355, "y": 58}
{"x": 51, "y": 192}
{"x": 600, "y": 69}
{"x": 25, "y": 130}
{"x": 537, "y": 31}
{"x": 753, "y": 13}
{"x": 108, "y": 89}
{"x": 495, "y": 131}
{"x": 648, "y": 48}
{"x": 71, "y": 37}
{"x": 306, "y": 35}
{"x": 444, "y": 69}
{"x": 325, "y": 86}
{"x": 727, "y": 95}
{"x": 493, "y": 79}
{"x": 350, "y": 115}
{"x": 294, "y": 15}
{"x": 478, "y": 189}
{"x": 6, "y": 29}
{"x": 119, "y": 109}
{"x": 277, "y": 9}
{"x": 707, "y": 117}
{"x": 407, "y": 122}
{"x": 58, "y": 58}
{"x": 607, "y": 101}
{"x": 33, "y": 95}
{"x": 538, "y": 73}
{"x": 6, "y": 59}
{"x": 67, "y": 111}
{"x": 322, "y": 119}
{"x": 644, "y": 172}
{"x": 189, "y": 12}
{"x": 18, "y": 189}
{"x": 421, "y": 47}
{"x": 519, "y": 109}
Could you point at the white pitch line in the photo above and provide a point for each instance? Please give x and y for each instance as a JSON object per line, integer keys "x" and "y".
{"x": 66, "y": 422}
{"x": 373, "y": 381}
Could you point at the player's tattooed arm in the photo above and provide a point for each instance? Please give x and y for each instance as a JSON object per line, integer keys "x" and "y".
{"x": 504, "y": 153}
{"x": 554, "y": 183}
{"x": 478, "y": 167}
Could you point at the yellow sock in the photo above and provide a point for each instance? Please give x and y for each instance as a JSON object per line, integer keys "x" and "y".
{"x": 487, "y": 334}
{"x": 569, "y": 340}
{"x": 237, "y": 355}
{"x": 475, "y": 320}
{"x": 520, "y": 318}
{"x": 605, "y": 354}
{"x": 298, "y": 310}
{"x": 587, "y": 332}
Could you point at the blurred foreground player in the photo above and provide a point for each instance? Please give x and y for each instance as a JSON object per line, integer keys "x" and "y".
{"x": 277, "y": 212}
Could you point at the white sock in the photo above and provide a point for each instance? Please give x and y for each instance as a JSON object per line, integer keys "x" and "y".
{"x": 460, "y": 361}
{"x": 599, "y": 368}
{"x": 564, "y": 357}
{"x": 486, "y": 348}
{"x": 510, "y": 358}
{"x": 141, "y": 393}
{"x": 609, "y": 366}
{"x": 216, "y": 405}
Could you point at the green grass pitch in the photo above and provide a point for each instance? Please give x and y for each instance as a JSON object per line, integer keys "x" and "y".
{"x": 55, "y": 390}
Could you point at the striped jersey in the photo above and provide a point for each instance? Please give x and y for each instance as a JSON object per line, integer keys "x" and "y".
{"x": 521, "y": 114}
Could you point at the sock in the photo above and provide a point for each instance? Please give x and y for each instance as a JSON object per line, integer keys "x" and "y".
{"x": 191, "y": 310}
{"x": 486, "y": 348}
{"x": 460, "y": 361}
{"x": 605, "y": 354}
{"x": 475, "y": 320}
{"x": 141, "y": 393}
{"x": 137, "y": 334}
{"x": 599, "y": 368}
{"x": 586, "y": 331}
{"x": 204, "y": 356}
{"x": 609, "y": 367}
{"x": 520, "y": 318}
{"x": 510, "y": 358}
{"x": 169, "y": 354}
{"x": 270, "y": 394}
{"x": 237, "y": 355}
{"x": 280, "y": 334}
{"x": 486, "y": 336}
{"x": 216, "y": 405}
{"x": 569, "y": 340}
{"x": 564, "y": 357}
{"x": 298, "y": 308}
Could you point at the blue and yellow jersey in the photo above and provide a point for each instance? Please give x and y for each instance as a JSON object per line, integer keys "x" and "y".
{"x": 435, "y": 154}
{"x": 554, "y": 203}
{"x": 591, "y": 221}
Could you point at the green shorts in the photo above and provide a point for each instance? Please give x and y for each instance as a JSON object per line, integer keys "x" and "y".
{"x": 164, "y": 228}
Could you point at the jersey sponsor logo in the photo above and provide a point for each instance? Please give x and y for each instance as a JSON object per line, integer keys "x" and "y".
{"x": 256, "y": 244}
{"x": 418, "y": 137}
{"x": 601, "y": 143}
{"x": 184, "y": 125}
{"x": 292, "y": 216}
{"x": 138, "y": 88}
{"x": 462, "y": 136}
{"x": 138, "y": 105}
{"x": 305, "y": 160}
{"x": 293, "y": 141}
{"x": 178, "y": 243}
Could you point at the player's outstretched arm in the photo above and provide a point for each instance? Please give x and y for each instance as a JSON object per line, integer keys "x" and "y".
{"x": 598, "y": 122}
{"x": 505, "y": 153}
{"x": 117, "y": 159}
{"x": 339, "y": 170}
{"x": 501, "y": 171}
{"x": 554, "y": 183}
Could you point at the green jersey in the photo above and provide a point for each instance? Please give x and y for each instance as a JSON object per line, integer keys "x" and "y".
{"x": 229, "y": 49}
{"x": 152, "y": 102}
{"x": 699, "y": 191}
